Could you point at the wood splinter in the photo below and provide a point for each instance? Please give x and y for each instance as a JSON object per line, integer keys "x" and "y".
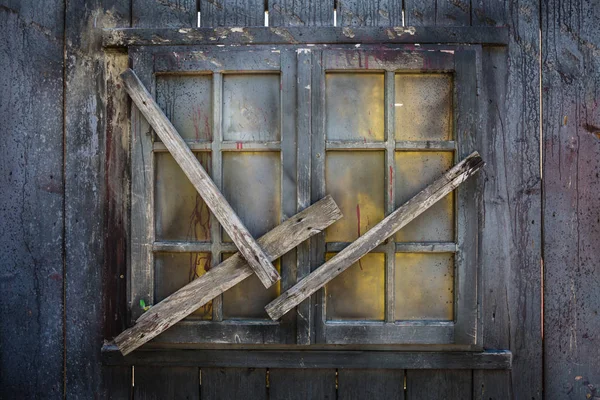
{"x": 224, "y": 276}
{"x": 256, "y": 257}
{"x": 376, "y": 235}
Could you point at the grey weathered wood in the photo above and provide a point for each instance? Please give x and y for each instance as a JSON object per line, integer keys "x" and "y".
{"x": 381, "y": 333}
{"x": 216, "y": 59}
{"x": 437, "y": 12}
{"x": 190, "y": 165}
{"x": 390, "y": 192}
{"x": 376, "y": 235}
{"x": 296, "y": 35}
{"x": 491, "y": 385}
{"x": 438, "y": 384}
{"x": 300, "y": 13}
{"x": 164, "y": 13}
{"x": 571, "y": 134}
{"x": 228, "y": 13}
{"x": 117, "y": 382}
{"x": 369, "y": 13}
{"x": 361, "y": 384}
{"x": 290, "y": 384}
{"x": 234, "y": 383}
{"x": 166, "y": 383}
{"x": 31, "y": 199}
{"x": 392, "y": 60}
{"x": 230, "y": 272}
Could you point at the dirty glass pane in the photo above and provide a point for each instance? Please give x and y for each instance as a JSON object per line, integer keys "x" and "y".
{"x": 424, "y": 286}
{"x": 354, "y": 106}
{"x": 414, "y": 171}
{"x": 423, "y": 107}
{"x": 356, "y": 180}
{"x": 251, "y": 107}
{"x": 187, "y": 101}
{"x": 248, "y": 298}
{"x": 180, "y": 212}
{"x": 174, "y": 270}
{"x": 358, "y": 293}
{"x": 252, "y": 185}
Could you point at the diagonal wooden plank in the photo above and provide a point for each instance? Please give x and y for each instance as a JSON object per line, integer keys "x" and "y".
{"x": 376, "y": 235}
{"x": 256, "y": 257}
{"x": 230, "y": 272}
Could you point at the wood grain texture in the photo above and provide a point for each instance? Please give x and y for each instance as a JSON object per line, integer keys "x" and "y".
{"x": 361, "y": 384}
{"x": 234, "y": 383}
{"x": 214, "y": 199}
{"x": 31, "y": 199}
{"x": 157, "y": 383}
{"x": 437, "y": 12}
{"x": 164, "y": 13}
{"x": 233, "y": 270}
{"x": 438, "y": 384}
{"x": 292, "y": 384}
{"x": 117, "y": 381}
{"x": 571, "y": 134}
{"x": 369, "y": 13}
{"x": 376, "y": 235}
{"x": 301, "y": 13}
{"x": 214, "y": 13}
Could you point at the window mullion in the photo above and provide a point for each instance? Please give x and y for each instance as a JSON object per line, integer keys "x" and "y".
{"x": 216, "y": 157}
{"x": 390, "y": 146}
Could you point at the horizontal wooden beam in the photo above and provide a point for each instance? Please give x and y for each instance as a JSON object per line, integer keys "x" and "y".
{"x": 311, "y": 358}
{"x": 376, "y": 235}
{"x": 224, "y": 276}
{"x": 125, "y": 37}
{"x": 214, "y": 199}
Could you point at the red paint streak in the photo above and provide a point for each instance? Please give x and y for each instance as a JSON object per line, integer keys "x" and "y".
{"x": 239, "y": 145}
{"x": 391, "y": 184}
{"x": 370, "y": 132}
{"x": 207, "y": 127}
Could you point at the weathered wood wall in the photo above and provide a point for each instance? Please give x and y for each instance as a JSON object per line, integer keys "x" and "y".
{"x": 64, "y": 180}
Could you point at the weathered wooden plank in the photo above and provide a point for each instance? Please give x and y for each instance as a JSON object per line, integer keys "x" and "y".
{"x": 571, "y": 145}
{"x": 234, "y": 383}
{"x": 437, "y": 12}
{"x": 438, "y": 384}
{"x": 166, "y": 383}
{"x": 117, "y": 382}
{"x": 233, "y": 270}
{"x": 231, "y": 223}
{"x": 214, "y": 13}
{"x": 31, "y": 199}
{"x": 164, "y": 13}
{"x": 369, "y": 13}
{"x": 362, "y": 384}
{"x": 301, "y": 13}
{"x": 492, "y": 385}
{"x": 290, "y": 384}
{"x": 295, "y": 35}
{"x": 376, "y": 235}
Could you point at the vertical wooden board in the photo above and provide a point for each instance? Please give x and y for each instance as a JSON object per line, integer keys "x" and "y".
{"x": 234, "y": 383}
{"x": 369, "y": 13}
{"x": 437, "y": 12}
{"x": 425, "y": 384}
{"x": 232, "y": 13}
{"x": 174, "y": 383}
{"x": 491, "y": 385}
{"x": 571, "y": 133}
{"x": 290, "y": 384}
{"x": 164, "y": 13}
{"x": 301, "y": 12}
{"x": 363, "y": 384}
{"x": 117, "y": 381}
{"x": 31, "y": 199}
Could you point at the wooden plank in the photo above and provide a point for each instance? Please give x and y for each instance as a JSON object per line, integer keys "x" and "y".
{"x": 290, "y": 384}
{"x": 31, "y": 199}
{"x": 571, "y": 145}
{"x": 228, "y": 13}
{"x": 296, "y": 35}
{"x": 301, "y": 13}
{"x": 437, "y": 12}
{"x": 438, "y": 383}
{"x": 117, "y": 382}
{"x": 157, "y": 383}
{"x": 362, "y": 384}
{"x": 376, "y": 235}
{"x": 233, "y": 270}
{"x": 234, "y": 383}
{"x": 164, "y": 13}
{"x": 492, "y": 385}
{"x": 369, "y": 13}
{"x": 254, "y": 255}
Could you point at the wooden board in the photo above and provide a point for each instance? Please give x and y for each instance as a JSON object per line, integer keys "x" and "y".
{"x": 438, "y": 384}
{"x": 164, "y": 13}
{"x": 234, "y": 383}
{"x": 215, "y": 13}
{"x": 361, "y": 384}
{"x": 301, "y": 13}
{"x": 437, "y": 12}
{"x": 369, "y": 13}
{"x": 291, "y": 384}
{"x": 157, "y": 383}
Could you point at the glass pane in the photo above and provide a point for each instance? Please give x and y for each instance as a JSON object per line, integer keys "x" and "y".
{"x": 252, "y": 185}
{"x": 354, "y": 106}
{"x": 356, "y": 180}
{"x": 175, "y": 270}
{"x": 358, "y": 293}
{"x": 248, "y": 298}
{"x": 414, "y": 171}
{"x": 180, "y": 212}
{"x": 251, "y": 107}
{"x": 187, "y": 102}
{"x": 424, "y": 286}
{"x": 423, "y": 107}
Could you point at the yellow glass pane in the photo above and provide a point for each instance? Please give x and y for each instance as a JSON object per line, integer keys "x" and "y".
{"x": 358, "y": 293}
{"x": 172, "y": 271}
{"x": 424, "y": 286}
{"x": 354, "y": 106}
{"x": 248, "y": 298}
{"x": 252, "y": 185}
{"x": 414, "y": 171}
{"x": 251, "y": 107}
{"x": 187, "y": 101}
{"x": 180, "y": 212}
{"x": 423, "y": 105}
{"x": 356, "y": 181}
